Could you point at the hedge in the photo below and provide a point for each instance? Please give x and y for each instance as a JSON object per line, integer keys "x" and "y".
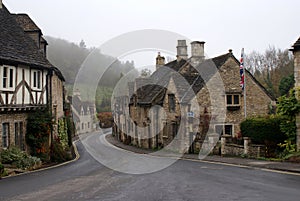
{"x": 265, "y": 131}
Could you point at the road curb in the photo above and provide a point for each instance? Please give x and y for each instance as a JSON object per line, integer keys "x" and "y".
{"x": 269, "y": 169}
{"x": 77, "y": 156}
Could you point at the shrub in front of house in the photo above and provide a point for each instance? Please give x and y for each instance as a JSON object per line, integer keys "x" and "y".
{"x": 19, "y": 159}
{"x": 58, "y": 153}
{"x": 265, "y": 131}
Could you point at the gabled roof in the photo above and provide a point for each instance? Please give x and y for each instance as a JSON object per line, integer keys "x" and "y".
{"x": 26, "y": 22}
{"x": 78, "y": 104}
{"x": 296, "y": 45}
{"x": 16, "y": 47}
{"x": 187, "y": 83}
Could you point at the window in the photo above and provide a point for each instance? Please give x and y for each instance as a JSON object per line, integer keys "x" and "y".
{"x": 233, "y": 101}
{"x": 21, "y": 132}
{"x": 17, "y": 135}
{"x": 7, "y": 77}
{"x": 224, "y": 129}
{"x": 171, "y": 100}
{"x": 5, "y": 135}
{"x": 36, "y": 79}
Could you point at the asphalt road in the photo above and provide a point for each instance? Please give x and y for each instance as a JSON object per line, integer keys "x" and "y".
{"x": 87, "y": 179}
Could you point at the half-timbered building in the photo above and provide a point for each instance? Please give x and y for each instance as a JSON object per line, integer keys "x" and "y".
{"x": 28, "y": 81}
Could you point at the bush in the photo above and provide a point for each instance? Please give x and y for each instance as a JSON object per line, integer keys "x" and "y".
{"x": 38, "y": 133}
{"x": 17, "y": 158}
{"x": 264, "y": 131}
{"x": 106, "y": 119}
{"x": 1, "y": 170}
{"x": 58, "y": 153}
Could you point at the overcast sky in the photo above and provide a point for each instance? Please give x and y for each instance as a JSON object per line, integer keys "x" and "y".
{"x": 222, "y": 24}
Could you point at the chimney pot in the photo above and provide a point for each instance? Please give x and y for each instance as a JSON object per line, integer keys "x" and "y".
{"x": 1, "y": 4}
{"x": 197, "y": 52}
{"x": 181, "y": 50}
{"x": 160, "y": 61}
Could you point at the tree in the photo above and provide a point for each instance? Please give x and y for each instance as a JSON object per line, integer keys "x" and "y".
{"x": 145, "y": 72}
{"x": 82, "y": 44}
{"x": 286, "y": 84}
{"x": 270, "y": 67}
{"x": 288, "y": 107}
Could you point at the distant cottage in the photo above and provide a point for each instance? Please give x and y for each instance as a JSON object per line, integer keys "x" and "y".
{"x": 166, "y": 90}
{"x": 84, "y": 114}
{"x": 28, "y": 81}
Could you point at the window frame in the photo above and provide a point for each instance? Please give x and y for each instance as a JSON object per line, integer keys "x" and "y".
{"x": 5, "y": 138}
{"x": 223, "y": 132}
{"x": 36, "y": 79}
{"x": 8, "y": 77}
{"x": 230, "y": 100}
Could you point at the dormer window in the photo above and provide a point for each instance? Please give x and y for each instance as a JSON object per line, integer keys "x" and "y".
{"x": 233, "y": 101}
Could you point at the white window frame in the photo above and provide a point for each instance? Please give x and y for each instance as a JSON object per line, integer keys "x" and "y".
{"x": 36, "y": 79}
{"x": 9, "y": 79}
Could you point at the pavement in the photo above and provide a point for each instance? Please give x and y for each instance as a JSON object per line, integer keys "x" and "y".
{"x": 243, "y": 162}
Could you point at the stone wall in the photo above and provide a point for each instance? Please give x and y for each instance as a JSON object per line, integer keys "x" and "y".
{"x": 57, "y": 96}
{"x": 249, "y": 150}
{"x": 15, "y": 120}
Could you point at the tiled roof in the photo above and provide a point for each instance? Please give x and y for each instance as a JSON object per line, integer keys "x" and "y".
{"x": 296, "y": 45}
{"x": 187, "y": 83}
{"x": 26, "y": 22}
{"x": 16, "y": 47}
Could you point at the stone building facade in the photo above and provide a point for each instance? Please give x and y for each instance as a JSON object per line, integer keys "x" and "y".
{"x": 28, "y": 81}
{"x": 296, "y": 52}
{"x": 84, "y": 114}
{"x": 177, "y": 105}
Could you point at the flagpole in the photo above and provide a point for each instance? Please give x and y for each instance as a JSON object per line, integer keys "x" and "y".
{"x": 245, "y": 94}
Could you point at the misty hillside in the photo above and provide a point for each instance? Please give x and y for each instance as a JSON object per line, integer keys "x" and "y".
{"x": 69, "y": 57}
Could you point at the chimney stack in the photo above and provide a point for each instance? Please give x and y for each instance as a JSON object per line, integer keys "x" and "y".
{"x": 0, "y": 4}
{"x": 197, "y": 52}
{"x": 181, "y": 50}
{"x": 160, "y": 61}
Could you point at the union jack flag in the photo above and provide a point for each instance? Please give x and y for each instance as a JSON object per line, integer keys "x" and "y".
{"x": 242, "y": 81}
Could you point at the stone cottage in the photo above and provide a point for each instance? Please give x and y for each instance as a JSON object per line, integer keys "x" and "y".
{"x": 83, "y": 114}
{"x": 296, "y": 52}
{"x": 179, "y": 101}
{"x": 29, "y": 82}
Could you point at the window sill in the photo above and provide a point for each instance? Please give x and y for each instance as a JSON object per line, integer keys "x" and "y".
{"x": 233, "y": 107}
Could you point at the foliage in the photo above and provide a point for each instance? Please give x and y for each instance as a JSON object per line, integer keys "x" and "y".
{"x": 70, "y": 57}
{"x": 2, "y": 171}
{"x": 145, "y": 72}
{"x": 38, "y": 131}
{"x": 286, "y": 84}
{"x": 63, "y": 133}
{"x": 103, "y": 99}
{"x": 58, "y": 153}
{"x": 71, "y": 129}
{"x": 19, "y": 159}
{"x": 270, "y": 67}
{"x": 288, "y": 107}
{"x": 264, "y": 131}
{"x": 105, "y": 119}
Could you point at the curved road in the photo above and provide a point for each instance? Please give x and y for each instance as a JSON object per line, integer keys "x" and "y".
{"x": 87, "y": 179}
